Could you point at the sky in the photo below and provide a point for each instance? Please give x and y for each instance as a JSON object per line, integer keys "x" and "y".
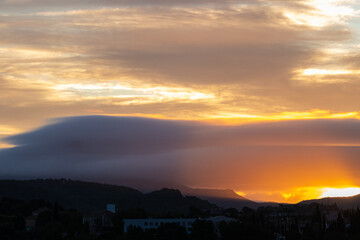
{"x": 258, "y": 96}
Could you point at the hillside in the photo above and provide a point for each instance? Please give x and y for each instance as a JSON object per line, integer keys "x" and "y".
{"x": 171, "y": 200}
{"x": 223, "y": 198}
{"x": 341, "y": 202}
{"x": 87, "y": 197}
{"x": 71, "y": 194}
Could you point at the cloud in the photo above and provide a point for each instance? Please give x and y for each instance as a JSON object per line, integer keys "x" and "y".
{"x": 263, "y": 156}
{"x": 25, "y": 5}
{"x": 109, "y": 135}
{"x": 245, "y": 55}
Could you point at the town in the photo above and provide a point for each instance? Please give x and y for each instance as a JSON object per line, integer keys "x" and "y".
{"x": 39, "y": 219}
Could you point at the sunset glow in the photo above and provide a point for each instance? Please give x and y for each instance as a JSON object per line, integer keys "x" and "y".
{"x": 340, "y": 192}
{"x": 302, "y": 193}
{"x": 261, "y": 97}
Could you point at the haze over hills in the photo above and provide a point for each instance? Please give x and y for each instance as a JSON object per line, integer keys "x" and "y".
{"x": 216, "y": 193}
{"x": 226, "y": 198}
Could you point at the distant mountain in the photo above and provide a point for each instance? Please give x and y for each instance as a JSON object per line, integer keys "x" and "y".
{"x": 224, "y": 198}
{"x": 171, "y": 200}
{"x": 341, "y": 202}
{"x": 87, "y": 197}
{"x": 217, "y": 193}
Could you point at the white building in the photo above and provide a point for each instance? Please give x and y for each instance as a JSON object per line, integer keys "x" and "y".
{"x": 219, "y": 219}
{"x": 155, "y": 223}
{"x": 184, "y": 222}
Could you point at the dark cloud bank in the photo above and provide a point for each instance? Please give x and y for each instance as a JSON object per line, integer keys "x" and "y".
{"x": 117, "y": 149}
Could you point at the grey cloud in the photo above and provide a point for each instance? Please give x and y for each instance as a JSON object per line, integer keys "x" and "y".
{"x": 118, "y": 148}
{"x": 18, "y": 4}
{"x": 26, "y": 6}
{"x": 109, "y": 135}
{"x": 136, "y": 135}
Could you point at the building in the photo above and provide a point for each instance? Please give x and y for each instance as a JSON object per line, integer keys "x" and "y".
{"x": 150, "y": 223}
{"x": 99, "y": 220}
{"x": 111, "y": 207}
{"x": 218, "y": 219}
{"x": 146, "y": 224}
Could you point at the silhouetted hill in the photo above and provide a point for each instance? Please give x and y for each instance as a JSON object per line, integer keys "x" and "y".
{"x": 171, "y": 200}
{"x": 224, "y": 198}
{"x": 86, "y": 196}
{"x": 341, "y": 202}
{"x": 218, "y": 193}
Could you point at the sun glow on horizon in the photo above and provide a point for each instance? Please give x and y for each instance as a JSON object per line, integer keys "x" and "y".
{"x": 299, "y": 194}
{"x": 340, "y": 192}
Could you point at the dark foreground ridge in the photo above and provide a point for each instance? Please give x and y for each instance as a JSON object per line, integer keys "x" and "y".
{"x": 87, "y": 197}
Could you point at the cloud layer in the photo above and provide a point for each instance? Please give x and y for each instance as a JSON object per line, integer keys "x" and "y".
{"x": 180, "y": 59}
{"x": 264, "y": 157}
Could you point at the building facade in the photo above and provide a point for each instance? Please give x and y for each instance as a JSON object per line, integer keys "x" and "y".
{"x": 151, "y": 223}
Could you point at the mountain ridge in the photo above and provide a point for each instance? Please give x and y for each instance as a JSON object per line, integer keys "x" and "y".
{"x": 225, "y": 198}
{"x": 89, "y": 196}
{"x": 351, "y": 202}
